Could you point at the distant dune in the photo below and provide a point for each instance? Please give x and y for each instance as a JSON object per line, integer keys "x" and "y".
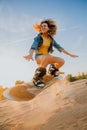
{"x": 1, "y": 93}
{"x": 60, "y": 107}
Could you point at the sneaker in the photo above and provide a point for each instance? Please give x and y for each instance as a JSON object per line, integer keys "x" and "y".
{"x": 53, "y": 70}
{"x": 38, "y": 83}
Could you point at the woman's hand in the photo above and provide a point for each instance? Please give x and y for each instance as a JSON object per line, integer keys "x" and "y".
{"x": 74, "y": 56}
{"x": 28, "y": 57}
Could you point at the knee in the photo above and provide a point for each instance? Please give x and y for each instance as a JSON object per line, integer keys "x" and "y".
{"x": 63, "y": 61}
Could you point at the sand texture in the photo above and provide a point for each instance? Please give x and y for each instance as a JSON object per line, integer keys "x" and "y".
{"x": 62, "y": 106}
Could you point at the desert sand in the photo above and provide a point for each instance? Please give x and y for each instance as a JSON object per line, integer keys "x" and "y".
{"x": 63, "y": 106}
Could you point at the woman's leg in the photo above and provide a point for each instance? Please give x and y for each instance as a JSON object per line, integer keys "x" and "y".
{"x": 37, "y": 78}
{"x": 47, "y": 59}
{"x": 42, "y": 62}
{"x": 55, "y": 63}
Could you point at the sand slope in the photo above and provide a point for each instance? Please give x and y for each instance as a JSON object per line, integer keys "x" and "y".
{"x": 60, "y": 107}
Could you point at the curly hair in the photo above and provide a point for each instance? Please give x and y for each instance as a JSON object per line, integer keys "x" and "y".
{"x": 51, "y": 24}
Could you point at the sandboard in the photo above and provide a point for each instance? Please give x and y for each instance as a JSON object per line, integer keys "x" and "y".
{"x": 28, "y": 91}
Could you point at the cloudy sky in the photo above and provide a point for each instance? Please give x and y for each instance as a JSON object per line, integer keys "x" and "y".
{"x": 16, "y": 35}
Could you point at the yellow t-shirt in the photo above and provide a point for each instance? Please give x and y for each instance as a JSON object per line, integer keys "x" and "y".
{"x": 44, "y": 47}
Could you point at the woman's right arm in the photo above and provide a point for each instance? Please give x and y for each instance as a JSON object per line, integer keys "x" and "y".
{"x": 32, "y": 50}
{"x": 30, "y": 56}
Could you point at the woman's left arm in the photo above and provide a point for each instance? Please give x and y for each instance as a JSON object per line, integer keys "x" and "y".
{"x": 61, "y": 49}
{"x": 67, "y": 53}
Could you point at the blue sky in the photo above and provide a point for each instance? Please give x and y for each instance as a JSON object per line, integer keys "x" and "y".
{"x": 16, "y": 35}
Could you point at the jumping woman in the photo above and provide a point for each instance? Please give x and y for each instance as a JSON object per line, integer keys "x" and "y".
{"x": 42, "y": 47}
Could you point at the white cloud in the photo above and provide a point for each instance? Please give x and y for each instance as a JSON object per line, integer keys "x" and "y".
{"x": 62, "y": 29}
{"x": 80, "y": 42}
{"x": 12, "y": 24}
{"x": 11, "y": 21}
{"x": 74, "y": 27}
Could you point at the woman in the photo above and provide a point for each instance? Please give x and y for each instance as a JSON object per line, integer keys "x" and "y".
{"x": 43, "y": 47}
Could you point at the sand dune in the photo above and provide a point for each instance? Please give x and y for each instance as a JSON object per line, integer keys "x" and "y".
{"x": 60, "y": 107}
